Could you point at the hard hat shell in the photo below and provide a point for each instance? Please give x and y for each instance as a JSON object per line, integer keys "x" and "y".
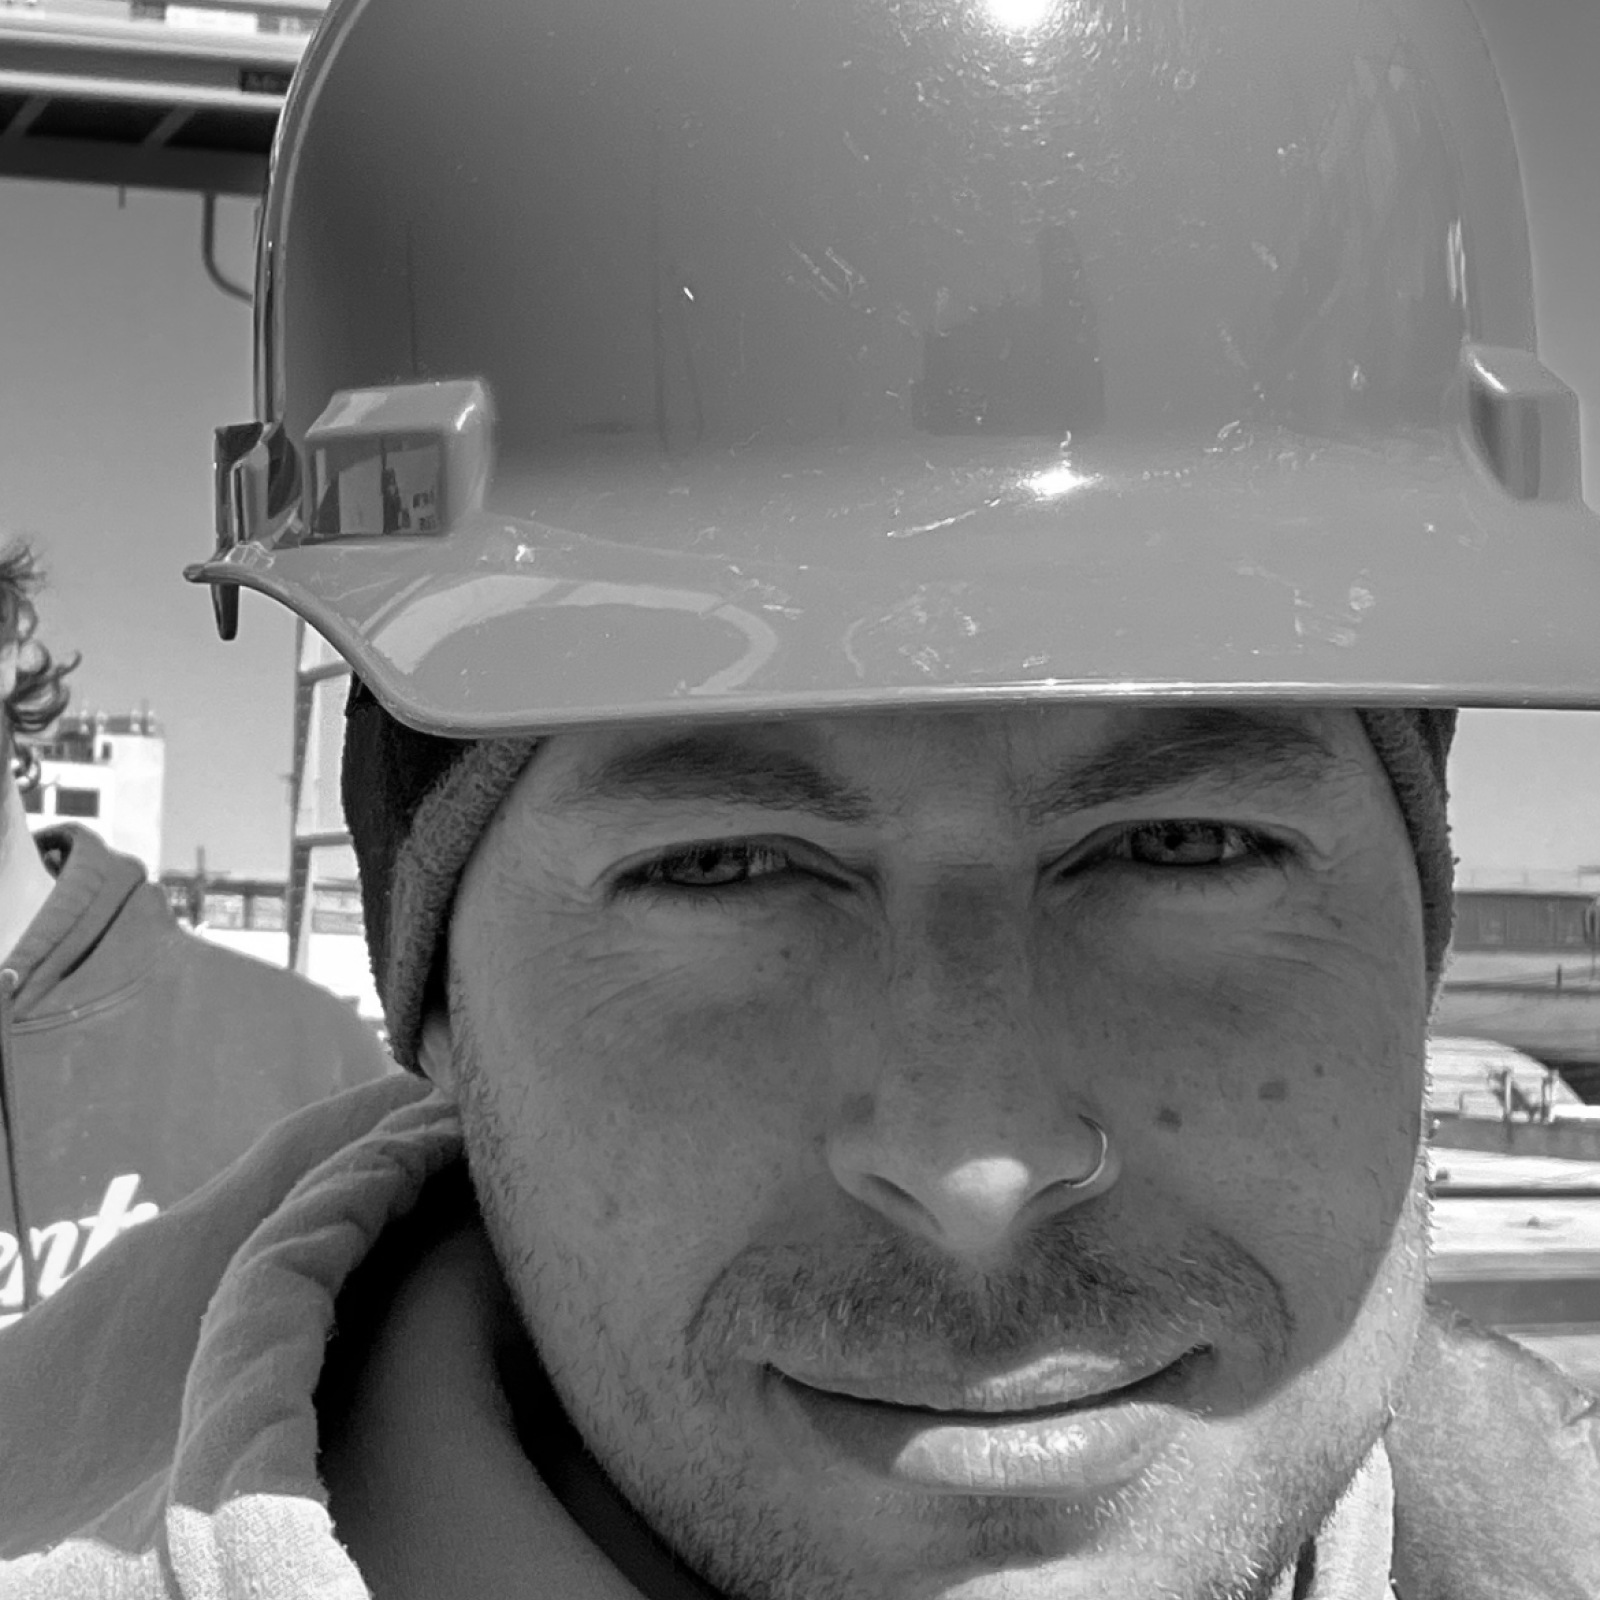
{"x": 746, "y": 356}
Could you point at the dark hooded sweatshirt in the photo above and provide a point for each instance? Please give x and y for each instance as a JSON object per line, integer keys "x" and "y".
{"x": 137, "y": 1061}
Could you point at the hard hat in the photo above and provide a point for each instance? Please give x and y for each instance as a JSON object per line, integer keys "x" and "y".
{"x": 705, "y": 357}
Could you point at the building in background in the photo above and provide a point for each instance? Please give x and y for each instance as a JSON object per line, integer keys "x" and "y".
{"x": 311, "y": 922}
{"x": 251, "y": 916}
{"x": 1527, "y": 912}
{"x": 1524, "y": 969}
{"x": 107, "y": 773}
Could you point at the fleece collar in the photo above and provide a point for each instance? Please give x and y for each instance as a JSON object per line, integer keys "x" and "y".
{"x": 1354, "y": 1553}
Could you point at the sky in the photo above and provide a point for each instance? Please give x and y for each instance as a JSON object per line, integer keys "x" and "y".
{"x": 118, "y": 358}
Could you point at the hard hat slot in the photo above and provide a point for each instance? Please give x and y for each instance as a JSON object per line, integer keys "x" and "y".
{"x": 383, "y": 485}
{"x": 409, "y": 459}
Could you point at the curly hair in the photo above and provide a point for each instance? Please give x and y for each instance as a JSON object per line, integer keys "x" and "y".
{"x": 40, "y": 693}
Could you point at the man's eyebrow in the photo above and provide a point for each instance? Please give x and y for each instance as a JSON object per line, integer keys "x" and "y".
{"x": 719, "y": 769}
{"x": 1214, "y": 745}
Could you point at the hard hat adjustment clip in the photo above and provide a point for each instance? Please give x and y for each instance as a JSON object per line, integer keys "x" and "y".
{"x": 256, "y": 482}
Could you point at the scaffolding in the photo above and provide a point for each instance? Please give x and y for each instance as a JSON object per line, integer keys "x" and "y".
{"x": 321, "y": 858}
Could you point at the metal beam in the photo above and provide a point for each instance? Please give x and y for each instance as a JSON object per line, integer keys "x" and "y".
{"x": 138, "y": 91}
{"x": 135, "y": 166}
{"x": 25, "y": 118}
{"x": 1567, "y": 1141}
{"x": 300, "y": 10}
{"x": 1526, "y": 1301}
{"x": 140, "y": 103}
{"x": 168, "y": 126}
{"x": 53, "y": 40}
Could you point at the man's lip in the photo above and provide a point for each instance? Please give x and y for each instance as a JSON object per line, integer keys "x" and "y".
{"x": 1038, "y": 1390}
{"x": 1082, "y": 1447}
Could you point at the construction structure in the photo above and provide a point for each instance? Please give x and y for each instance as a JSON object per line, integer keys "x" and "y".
{"x": 311, "y": 921}
{"x": 1524, "y": 968}
{"x": 140, "y": 94}
{"x": 252, "y": 917}
{"x": 106, "y": 773}
{"x": 1527, "y": 913}
{"x": 322, "y": 863}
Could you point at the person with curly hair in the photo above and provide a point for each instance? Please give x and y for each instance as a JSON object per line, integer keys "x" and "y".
{"x": 135, "y": 1060}
{"x": 34, "y": 693}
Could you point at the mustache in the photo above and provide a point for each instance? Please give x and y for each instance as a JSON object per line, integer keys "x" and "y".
{"x": 1071, "y": 1284}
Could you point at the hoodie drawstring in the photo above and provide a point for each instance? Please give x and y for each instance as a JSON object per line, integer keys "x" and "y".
{"x": 13, "y": 1137}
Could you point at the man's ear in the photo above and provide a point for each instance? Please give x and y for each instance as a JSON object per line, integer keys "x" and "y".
{"x": 435, "y": 1054}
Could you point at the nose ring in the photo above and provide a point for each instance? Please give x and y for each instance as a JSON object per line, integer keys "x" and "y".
{"x": 1100, "y": 1160}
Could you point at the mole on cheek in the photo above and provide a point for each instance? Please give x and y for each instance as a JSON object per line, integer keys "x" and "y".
{"x": 1168, "y": 1118}
{"x": 1273, "y": 1089}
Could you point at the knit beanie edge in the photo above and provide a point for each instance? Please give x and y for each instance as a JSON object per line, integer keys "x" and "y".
{"x": 428, "y": 867}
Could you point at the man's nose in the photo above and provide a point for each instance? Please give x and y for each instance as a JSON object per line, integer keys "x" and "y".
{"x": 968, "y": 1126}
{"x": 975, "y": 1202}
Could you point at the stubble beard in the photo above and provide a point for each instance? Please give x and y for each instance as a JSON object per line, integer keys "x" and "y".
{"x": 710, "y": 1510}
{"x": 714, "y": 1518}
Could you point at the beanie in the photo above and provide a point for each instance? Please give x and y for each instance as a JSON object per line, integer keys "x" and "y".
{"x": 416, "y": 806}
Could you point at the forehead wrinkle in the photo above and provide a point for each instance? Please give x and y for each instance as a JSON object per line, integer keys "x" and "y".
{"x": 719, "y": 768}
{"x": 1173, "y": 750}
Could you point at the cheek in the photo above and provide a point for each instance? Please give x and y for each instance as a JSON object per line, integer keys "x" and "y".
{"x": 1266, "y": 1073}
{"x": 661, "y": 1079}
{"x": 1259, "y": 1004}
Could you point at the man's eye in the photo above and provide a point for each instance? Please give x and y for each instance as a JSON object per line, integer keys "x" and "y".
{"x": 1190, "y": 844}
{"x": 713, "y": 866}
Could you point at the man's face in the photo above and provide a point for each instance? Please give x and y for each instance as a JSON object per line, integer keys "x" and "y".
{"x": 775, "y": 1046}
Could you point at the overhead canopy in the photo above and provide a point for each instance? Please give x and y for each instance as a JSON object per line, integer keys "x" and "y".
{"x": 146, "y": 95}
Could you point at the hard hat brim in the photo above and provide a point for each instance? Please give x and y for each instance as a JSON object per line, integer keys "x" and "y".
{"x": 1261, "y": 569}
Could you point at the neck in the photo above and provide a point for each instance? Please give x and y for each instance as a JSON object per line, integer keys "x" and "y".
{"x": 25, "y": 882}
